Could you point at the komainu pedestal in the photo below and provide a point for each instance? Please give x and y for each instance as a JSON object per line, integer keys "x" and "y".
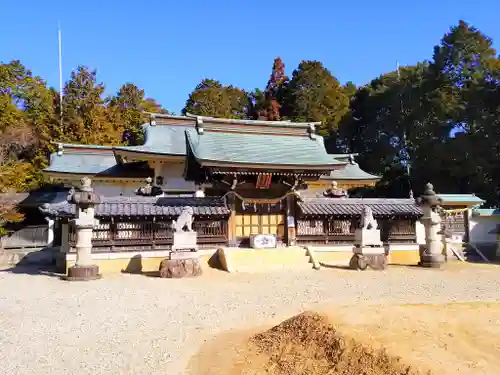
{"x": 185, "y": 238}
{"x": 368, "y": 248}
{"x": 183, "y": 260}
{"x": 177, "y": 268}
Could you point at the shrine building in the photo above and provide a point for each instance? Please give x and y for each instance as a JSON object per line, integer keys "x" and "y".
{"x": 243, "y": 178}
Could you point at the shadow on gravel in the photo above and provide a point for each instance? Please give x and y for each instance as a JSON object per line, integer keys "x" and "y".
{"x": 335, "y": 266}
{"x": 32, "y": 269}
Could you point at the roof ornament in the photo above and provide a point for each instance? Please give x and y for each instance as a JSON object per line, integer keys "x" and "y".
{"x": 312, "y": 131}
{"x": 351, "y": 160}
{"x": 86, "y": 184}
{"x": 60, "y": 149}
{"x": 335, "y": 192}
{"x": 200, "y": 192}
{"x": 149, "y": 190}
{"x": 152, "y": 120}
{"x": 199, "y": 125}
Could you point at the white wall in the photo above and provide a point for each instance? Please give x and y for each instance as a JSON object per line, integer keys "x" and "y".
{"x": 420, "y": 231}
{"x": 111, "y": 189}
{"x": 173, "y": 177}
{"x": 479, "y": 228}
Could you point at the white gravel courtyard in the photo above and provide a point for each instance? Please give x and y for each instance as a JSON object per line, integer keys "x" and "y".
{"x": 133, "y": 324}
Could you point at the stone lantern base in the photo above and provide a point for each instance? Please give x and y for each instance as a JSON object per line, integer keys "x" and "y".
{"x": 431, "y": 260}
{"x": 83, "y": 273}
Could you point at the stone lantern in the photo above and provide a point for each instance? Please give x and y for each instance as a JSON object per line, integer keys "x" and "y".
{"x": 432, "y": 255}
{"x": 85, "y": 201}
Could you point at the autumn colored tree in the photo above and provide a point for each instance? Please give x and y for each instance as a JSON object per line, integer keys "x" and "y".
{"x": 265, "y": 105}
{"x": 26, "y": 112}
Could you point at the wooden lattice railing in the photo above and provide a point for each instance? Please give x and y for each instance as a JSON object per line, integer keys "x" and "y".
{"x": 341, "y": 231}
{"x": 155, "y": 234}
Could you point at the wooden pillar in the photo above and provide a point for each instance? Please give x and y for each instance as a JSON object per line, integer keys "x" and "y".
{"x": 65, "y": 237}
{"x": 290, "y": 225}
{"x": 231, "y": 225}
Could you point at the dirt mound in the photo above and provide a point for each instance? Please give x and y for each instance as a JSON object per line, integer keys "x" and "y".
{"x": 308, "y": 344}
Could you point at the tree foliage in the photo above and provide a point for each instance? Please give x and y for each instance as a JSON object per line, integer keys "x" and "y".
{"x": 211, "y": 98}
{"x": 314, "y": 94}
{"x": 266, "y": 104}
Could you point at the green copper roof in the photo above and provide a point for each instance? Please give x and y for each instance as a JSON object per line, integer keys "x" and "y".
{"x": 350, "y": 172}
{"x": 161, "y": 140}
{"x": 343, "y": 157}
{"x": 248, "y": 148}
{"x": 460, "y": 198}
{"x": 94, "y": 164}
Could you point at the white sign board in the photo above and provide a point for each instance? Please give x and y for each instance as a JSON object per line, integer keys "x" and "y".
{"x": 263, "y": 241}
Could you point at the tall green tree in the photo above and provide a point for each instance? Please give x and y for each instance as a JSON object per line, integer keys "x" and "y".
{"x": 129, "y": 107}
{"x": 211, "y": 98}
{"x": 314, "y": 94}
{"x": 465, "y": 74}
{"x": 85, "y": 118}
{"x": 386, "y": 118}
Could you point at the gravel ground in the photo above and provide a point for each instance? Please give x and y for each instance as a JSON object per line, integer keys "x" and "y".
{"x": 132, "y": 324}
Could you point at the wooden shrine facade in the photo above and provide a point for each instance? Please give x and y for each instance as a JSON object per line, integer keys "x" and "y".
{"x": 145, "y": 223}
{"x": 333, "y": 221}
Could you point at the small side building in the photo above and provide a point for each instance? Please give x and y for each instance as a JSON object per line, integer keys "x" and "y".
{"x": 349, "y": 177}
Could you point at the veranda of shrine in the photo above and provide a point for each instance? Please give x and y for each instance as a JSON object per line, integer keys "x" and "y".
{"x": 242, "y": 178}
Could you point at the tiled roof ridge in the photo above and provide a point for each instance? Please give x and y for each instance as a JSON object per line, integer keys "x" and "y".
{"x": 325, "y": 200}
{"x": 142, "y": 199}
{"x": 144, "y": 206}
{"x": 285, "y": 123}
{"x": 83, "y": 146}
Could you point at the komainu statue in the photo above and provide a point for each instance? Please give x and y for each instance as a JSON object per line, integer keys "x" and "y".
{"x": 185, "y": 220}
{"x": 367, "y": 219}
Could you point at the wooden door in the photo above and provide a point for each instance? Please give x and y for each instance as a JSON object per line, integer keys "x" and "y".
{"x": 248, "y": 224}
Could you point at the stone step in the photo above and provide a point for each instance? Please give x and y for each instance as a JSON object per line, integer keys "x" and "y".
{"x": 257, "y": 260}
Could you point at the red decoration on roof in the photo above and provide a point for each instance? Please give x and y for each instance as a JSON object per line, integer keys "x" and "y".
{"x": 263, "y": 181}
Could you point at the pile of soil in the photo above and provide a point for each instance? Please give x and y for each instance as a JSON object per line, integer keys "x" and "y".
{"x": 308, "y": 344}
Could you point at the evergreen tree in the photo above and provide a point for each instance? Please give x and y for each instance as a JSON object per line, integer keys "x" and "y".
{"x": 313, "y": 94}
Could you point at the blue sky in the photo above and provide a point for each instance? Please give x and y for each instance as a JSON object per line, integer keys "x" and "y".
{"x": 167, "y": 47}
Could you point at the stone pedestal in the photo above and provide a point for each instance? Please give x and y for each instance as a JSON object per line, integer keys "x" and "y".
{"x": 177, "y": 268}
{"x": 83, "y": 273}
{"x": 368, "y": 249}
{"x": 183, "y": 260}
{"x": 178, "y": 255}
{"x": 365, "y": 256}
{"x": 432, "y": 254}
{"x": 185, "y": 241}
{"x": 367, "y": 237}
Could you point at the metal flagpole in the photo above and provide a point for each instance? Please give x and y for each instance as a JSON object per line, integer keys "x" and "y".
{"x": 60, "y": 76}
{"x": 405, "y": 142}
